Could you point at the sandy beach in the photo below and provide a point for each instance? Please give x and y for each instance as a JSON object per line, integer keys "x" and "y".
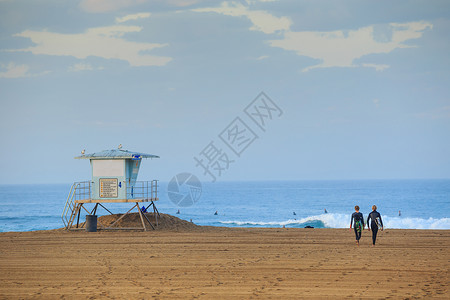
{"x": 205, "y": 262}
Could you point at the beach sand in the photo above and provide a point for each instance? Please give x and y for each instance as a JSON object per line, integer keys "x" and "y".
{"x": 206, "y": 262}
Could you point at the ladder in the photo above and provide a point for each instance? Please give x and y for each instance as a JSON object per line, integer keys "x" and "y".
{"x": 78, "y": 191}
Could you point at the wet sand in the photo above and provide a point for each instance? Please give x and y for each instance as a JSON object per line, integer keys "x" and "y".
{"x": 222, "y": 263}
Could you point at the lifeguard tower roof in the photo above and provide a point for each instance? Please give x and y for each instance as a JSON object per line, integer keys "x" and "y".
{"x": 116, "y": 154}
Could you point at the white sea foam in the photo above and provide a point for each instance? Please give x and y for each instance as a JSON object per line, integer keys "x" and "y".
{"x": 332, "y": 220}
{"x": 416, "y": 223}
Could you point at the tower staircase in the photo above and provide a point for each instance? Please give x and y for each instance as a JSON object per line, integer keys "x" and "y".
{"x": 78, "y": 191}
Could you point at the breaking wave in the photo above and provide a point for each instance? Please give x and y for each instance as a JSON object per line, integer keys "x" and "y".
{"x": 332, "y": 220}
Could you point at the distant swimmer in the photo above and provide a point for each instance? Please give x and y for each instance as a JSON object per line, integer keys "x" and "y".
{"x": 216, "y": 213}
{"x": 375, "y": 223}
{"x": 295, "y": 213}
{"x": 178, "y": 212}
{"x": 358, "y": 223}
{"x": 325, "y": 210}
{"x": 399, "y": 213}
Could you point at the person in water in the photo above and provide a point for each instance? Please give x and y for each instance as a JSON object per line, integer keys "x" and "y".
{"x": 375, "y": 223}
{"x": 358, "y": 223}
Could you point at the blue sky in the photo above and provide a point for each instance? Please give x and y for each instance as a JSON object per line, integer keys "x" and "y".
{"x": 362, "y": 87}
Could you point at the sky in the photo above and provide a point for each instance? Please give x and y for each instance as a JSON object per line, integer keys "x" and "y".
{"x": 226, "y": 90}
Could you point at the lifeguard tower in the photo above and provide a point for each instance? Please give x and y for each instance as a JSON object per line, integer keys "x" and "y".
{"x": 114, "y": 174}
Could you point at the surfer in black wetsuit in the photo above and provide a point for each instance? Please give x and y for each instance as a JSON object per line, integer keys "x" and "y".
{"x": 375, "y": 223}
{"x": 358, "y": 223}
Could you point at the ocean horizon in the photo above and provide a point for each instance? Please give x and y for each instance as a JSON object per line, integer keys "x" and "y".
{"x": 403, "y": 204}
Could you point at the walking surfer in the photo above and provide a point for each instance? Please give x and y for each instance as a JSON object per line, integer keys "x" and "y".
{"x": 375, "y": 223}
{"x": 358, "y": 223}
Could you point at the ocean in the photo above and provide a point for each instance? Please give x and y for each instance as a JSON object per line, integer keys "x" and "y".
{"x": 424, "y": 204}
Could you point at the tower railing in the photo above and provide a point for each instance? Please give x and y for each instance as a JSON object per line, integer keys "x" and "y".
{"x": 143, "y": 190}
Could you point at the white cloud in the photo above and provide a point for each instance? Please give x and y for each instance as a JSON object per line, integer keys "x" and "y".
{"x": 14, "y": 71}
{"x": 376, "y": 102}
{"x": 340, "y": 48}
{"x": 105, "y": 42}
{"x": 132, "y": 17}
{"x": 262, "y": 57}
{"x": 261, "y": 20}
{"x": 82, "y": 67}
{"x": 102, "y": 6}
{"x": 376, "y": 66}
